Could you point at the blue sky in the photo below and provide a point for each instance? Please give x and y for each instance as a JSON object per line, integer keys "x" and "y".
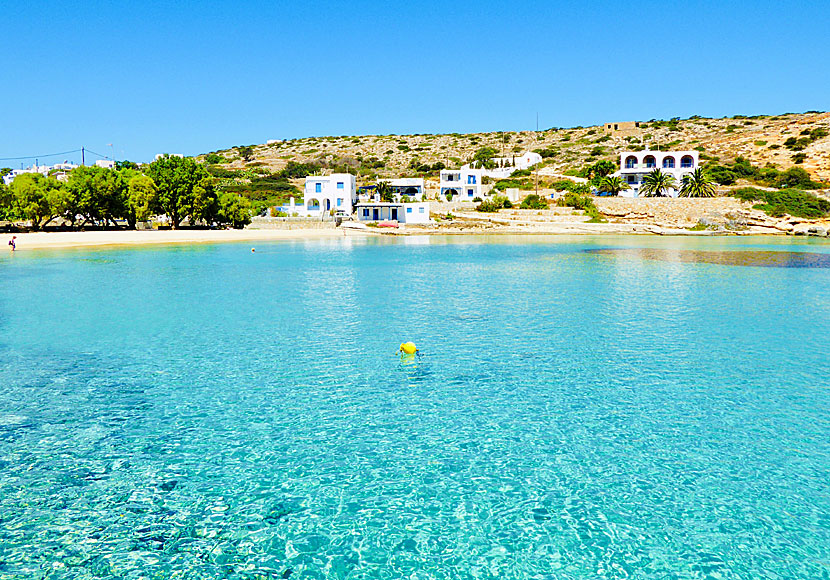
{"x": 190, "y": 77}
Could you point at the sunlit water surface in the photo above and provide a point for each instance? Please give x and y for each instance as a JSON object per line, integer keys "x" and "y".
{"x": 206, "y": 412}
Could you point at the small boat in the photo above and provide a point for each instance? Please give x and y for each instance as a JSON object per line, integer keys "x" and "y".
{"x": 354, "y": 227}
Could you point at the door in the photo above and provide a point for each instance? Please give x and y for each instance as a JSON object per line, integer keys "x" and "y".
{"x": 375, "y": 214}
{"x": 395, "y": 213}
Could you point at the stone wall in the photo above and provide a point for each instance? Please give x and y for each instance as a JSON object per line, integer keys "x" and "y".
{"x": 679, "y": 212}
{"x": 289, "y": 223}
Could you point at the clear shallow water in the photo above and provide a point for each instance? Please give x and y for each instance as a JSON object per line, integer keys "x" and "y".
{"x": 210, "y": 413}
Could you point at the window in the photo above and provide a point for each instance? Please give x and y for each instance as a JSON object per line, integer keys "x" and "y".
{"x": 339, "y": 201}
{"x": 616, "y": 126}
{"x": 471, "y": 180}
{"x": 339, "y": 185}
{"x": 318, "y": 187}
{"x": 650, "y": 161}
{"x": 668, "y": 163}
{"x": 365, "y": 212}
{"x": 630, "y": 162}
{"x": 687, "y": 161}
{"x": 469, "y": 193}
{"x": 409, "y": 210}
{"x": 631, "y": 178}
{"x": 420, "y": 210}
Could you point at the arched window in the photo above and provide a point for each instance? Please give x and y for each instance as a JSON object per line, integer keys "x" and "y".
{"x": 650, "y": 161}
{"x": 668, "y": 162}
{"x": 630, "y": 162}
{"x": 687, "y": 161}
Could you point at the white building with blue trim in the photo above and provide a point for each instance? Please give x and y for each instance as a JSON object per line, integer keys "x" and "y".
{"x": 462, "y": 184}
{"x": 326, "y": 193}
{"x": 635, "y": 165}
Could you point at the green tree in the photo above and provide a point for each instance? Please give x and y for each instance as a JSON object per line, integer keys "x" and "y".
{"x": 6, "y": 202}
{"x": 119, "y": 165}
{"x": 37, "y": 198}
{"x": 384, "y": 190}
{"x": 96, "y": 193}
{"x": 534, "y": 201}
{"x": 141, "y": 199}
{"x": 657, "y": 184}
{"x": 613, "y": 184}
{"x": 247, "y": 152}
{"x": 697, "y": 184}
{"x": 234, "y": 211}
{"x": 599, "y": 170}
{"x": 484, "y": 158}
{"x": 185, "y": 190}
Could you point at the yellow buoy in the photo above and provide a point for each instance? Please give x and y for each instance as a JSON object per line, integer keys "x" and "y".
{"x": 253, "y": 250}
{"x": 408, "y": 348}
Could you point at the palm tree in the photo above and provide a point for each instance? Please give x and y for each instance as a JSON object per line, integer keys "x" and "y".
{"x": 657, "y": 184}
{"x": 697, "y": 184}
{"x": 384, "y": 190}
{"x": 613, "y": 184}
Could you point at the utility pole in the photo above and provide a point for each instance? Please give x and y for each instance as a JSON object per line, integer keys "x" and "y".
{"x": 83, "y": 162}
{"x": 537, "y": 165}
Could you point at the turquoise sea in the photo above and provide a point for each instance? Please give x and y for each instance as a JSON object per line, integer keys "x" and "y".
{"x": 582, "y": 408}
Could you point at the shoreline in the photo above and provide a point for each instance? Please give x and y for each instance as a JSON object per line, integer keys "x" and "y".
{"x": 62, "y": 240}
{"x": 133, "y": 238}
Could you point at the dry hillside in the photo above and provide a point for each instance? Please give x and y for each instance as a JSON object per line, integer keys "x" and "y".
{"x": 760, "y": 139}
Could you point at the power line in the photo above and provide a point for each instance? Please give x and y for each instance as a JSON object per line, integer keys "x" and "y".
{"x": 98, "y": 154}
{"x": 39, "y": 156}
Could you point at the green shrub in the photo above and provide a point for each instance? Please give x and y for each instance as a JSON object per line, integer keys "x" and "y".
{"x": 495, "y": 204}
{"x": 214, "y": 158}
{"x": 547, "y": 152}
{"x": 790, "y": 201}
{"x": 583, "y": 202}
{"x": 521, "y": 173}
{"x": 799, "y": 158}
{"x": 534, "y": 201}
{"x": 722, "y": 175}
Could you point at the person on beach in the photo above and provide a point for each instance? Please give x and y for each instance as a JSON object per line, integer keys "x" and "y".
{"x": 12, "y": 243}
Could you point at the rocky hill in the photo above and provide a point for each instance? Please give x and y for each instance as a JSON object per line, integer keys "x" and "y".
{"x": 781, "y": 141}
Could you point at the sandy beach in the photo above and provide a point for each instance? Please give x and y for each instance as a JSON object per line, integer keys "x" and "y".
{"x": 41, "y": 240}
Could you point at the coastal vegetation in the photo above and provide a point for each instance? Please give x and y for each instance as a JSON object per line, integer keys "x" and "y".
{"x": 697, "y": 184}
{"x": 583, "y": 202}
{"x": 789, "y": 201}
{"x": 742, "y": 168}
{"x": 494, "y": 204}
{"x": 533, "y": 201}
{"x": 657, "y": 184}
{"x": 178, "y": 188}
{"x": 613, "y": 185}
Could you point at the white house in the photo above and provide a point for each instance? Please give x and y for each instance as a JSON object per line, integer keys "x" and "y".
{"x": 326, "y": 193}
{"x": 635, "y": 165}
{"x": 405, "y": 213}
{"x": 462, "y": 184}
{"x": 105, "y": 163}
{"x": 59, "y": 170}
{"x": 505, "y": 166}
{"x": 409, "y": 186}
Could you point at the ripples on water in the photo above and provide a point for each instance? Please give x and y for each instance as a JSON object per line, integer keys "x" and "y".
{"x": 208, "y": 413}
{"x": 763, "y": 259}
